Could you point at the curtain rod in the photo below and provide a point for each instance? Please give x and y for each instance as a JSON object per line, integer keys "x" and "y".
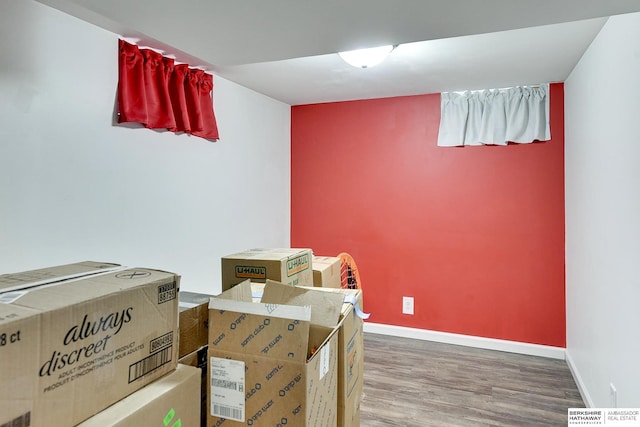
{"x": 502, "y": 89}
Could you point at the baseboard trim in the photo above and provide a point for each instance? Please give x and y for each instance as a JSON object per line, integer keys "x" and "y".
{"x": 584, "y": 393}
{"x": 467, "y": 340}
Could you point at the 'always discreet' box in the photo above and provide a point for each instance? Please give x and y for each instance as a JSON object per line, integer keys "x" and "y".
{"x": 70, "y": 348}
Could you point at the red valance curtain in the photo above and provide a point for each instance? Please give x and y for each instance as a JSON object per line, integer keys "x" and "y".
{"x": 156, "y": 92}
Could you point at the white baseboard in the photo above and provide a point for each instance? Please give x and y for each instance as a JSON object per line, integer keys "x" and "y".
{"x": 584, "y": 393}
{"x": 467, "y": 340}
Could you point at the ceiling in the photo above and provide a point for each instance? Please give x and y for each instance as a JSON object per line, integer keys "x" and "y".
{"x": 286, "y": 49}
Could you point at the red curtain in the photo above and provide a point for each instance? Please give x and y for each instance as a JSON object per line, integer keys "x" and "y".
{"x": 156, "y": 92}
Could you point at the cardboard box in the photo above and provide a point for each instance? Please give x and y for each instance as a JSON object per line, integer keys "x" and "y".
{"x": 291, "y": 266}
{"x": 193, "y": 322}
{"x": 27, "y": 279}
{"x": 326, "y": 271}
{"x": 71, "y": 348}
{"x": 198, "y": 359}
{"x": 350, "y": 353}
{"x": 172, "y": 400}
{"x": 272, "y": 363}
{"x": 350, "y": 365}
{"x": 350, "y": 358}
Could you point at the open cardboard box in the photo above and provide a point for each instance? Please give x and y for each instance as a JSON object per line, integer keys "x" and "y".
{"x": 350, "y": 357}
{"x": 350, "y": 352}
{"x": 273, "y": 362}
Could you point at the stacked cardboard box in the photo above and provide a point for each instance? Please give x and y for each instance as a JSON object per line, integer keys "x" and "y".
{"x": 326, "y": 271}
{"x": 194, "y": 321}
{"x": 240, "y": 334}
{"x": 273, "y": 362}
{"x": 170, "y": 401}
{"x": 286, "y": 265}
{"x": 194, "y": 335}
{"x": 75, "y": 339}
{"x": 198, "y": 359}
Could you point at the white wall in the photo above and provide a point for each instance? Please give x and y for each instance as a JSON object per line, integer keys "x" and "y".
{"x": 602, "y": 160}
{"x": 74, "y": 187}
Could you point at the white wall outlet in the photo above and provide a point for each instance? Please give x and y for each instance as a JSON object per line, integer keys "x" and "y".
{"x": 407, "y": 305}
{"x": 613, "y": 396}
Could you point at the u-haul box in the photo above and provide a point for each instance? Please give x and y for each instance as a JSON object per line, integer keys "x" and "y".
{"x": 286, "y": 265}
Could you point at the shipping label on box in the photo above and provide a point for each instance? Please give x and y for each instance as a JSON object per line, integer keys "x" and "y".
{"x": 287, "y": 265}
{"x": 75, "y": 347}
{"x": 268, "y": 364}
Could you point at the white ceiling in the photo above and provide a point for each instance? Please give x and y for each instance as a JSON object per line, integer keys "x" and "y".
{"x": 286, "y": 48}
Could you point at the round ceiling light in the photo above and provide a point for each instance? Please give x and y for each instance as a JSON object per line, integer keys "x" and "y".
{"x": 365, "y": 58}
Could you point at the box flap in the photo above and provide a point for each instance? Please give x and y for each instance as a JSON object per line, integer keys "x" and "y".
{"x": 239, "y": 292}
{"x": 275, "y": 330}
{"x": 325, "y": 306}
{"x": 351, "y": 296}
{"x": 357, "y": 293}
{"x": 261, "y": 309}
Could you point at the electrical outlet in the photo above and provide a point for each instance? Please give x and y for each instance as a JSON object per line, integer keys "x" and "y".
{"x": 407, "y": 305}
{"x": 613, "y": 396}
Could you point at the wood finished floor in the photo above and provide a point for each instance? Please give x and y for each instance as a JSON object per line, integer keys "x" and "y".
{"x": 414, "y": 383}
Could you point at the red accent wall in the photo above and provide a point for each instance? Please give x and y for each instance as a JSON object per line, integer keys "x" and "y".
{"x": 474, "y": 234}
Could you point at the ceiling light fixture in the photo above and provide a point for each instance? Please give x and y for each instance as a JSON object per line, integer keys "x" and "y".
{"x": 365, "y": 58}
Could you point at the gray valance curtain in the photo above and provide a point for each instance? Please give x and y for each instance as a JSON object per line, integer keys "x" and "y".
{"x": 495, "y": 116}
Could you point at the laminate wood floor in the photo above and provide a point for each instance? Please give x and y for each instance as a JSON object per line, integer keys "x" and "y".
{"x": 415, "y": 383}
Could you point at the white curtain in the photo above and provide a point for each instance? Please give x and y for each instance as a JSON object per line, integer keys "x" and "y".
{"x": 496, "y": 116}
